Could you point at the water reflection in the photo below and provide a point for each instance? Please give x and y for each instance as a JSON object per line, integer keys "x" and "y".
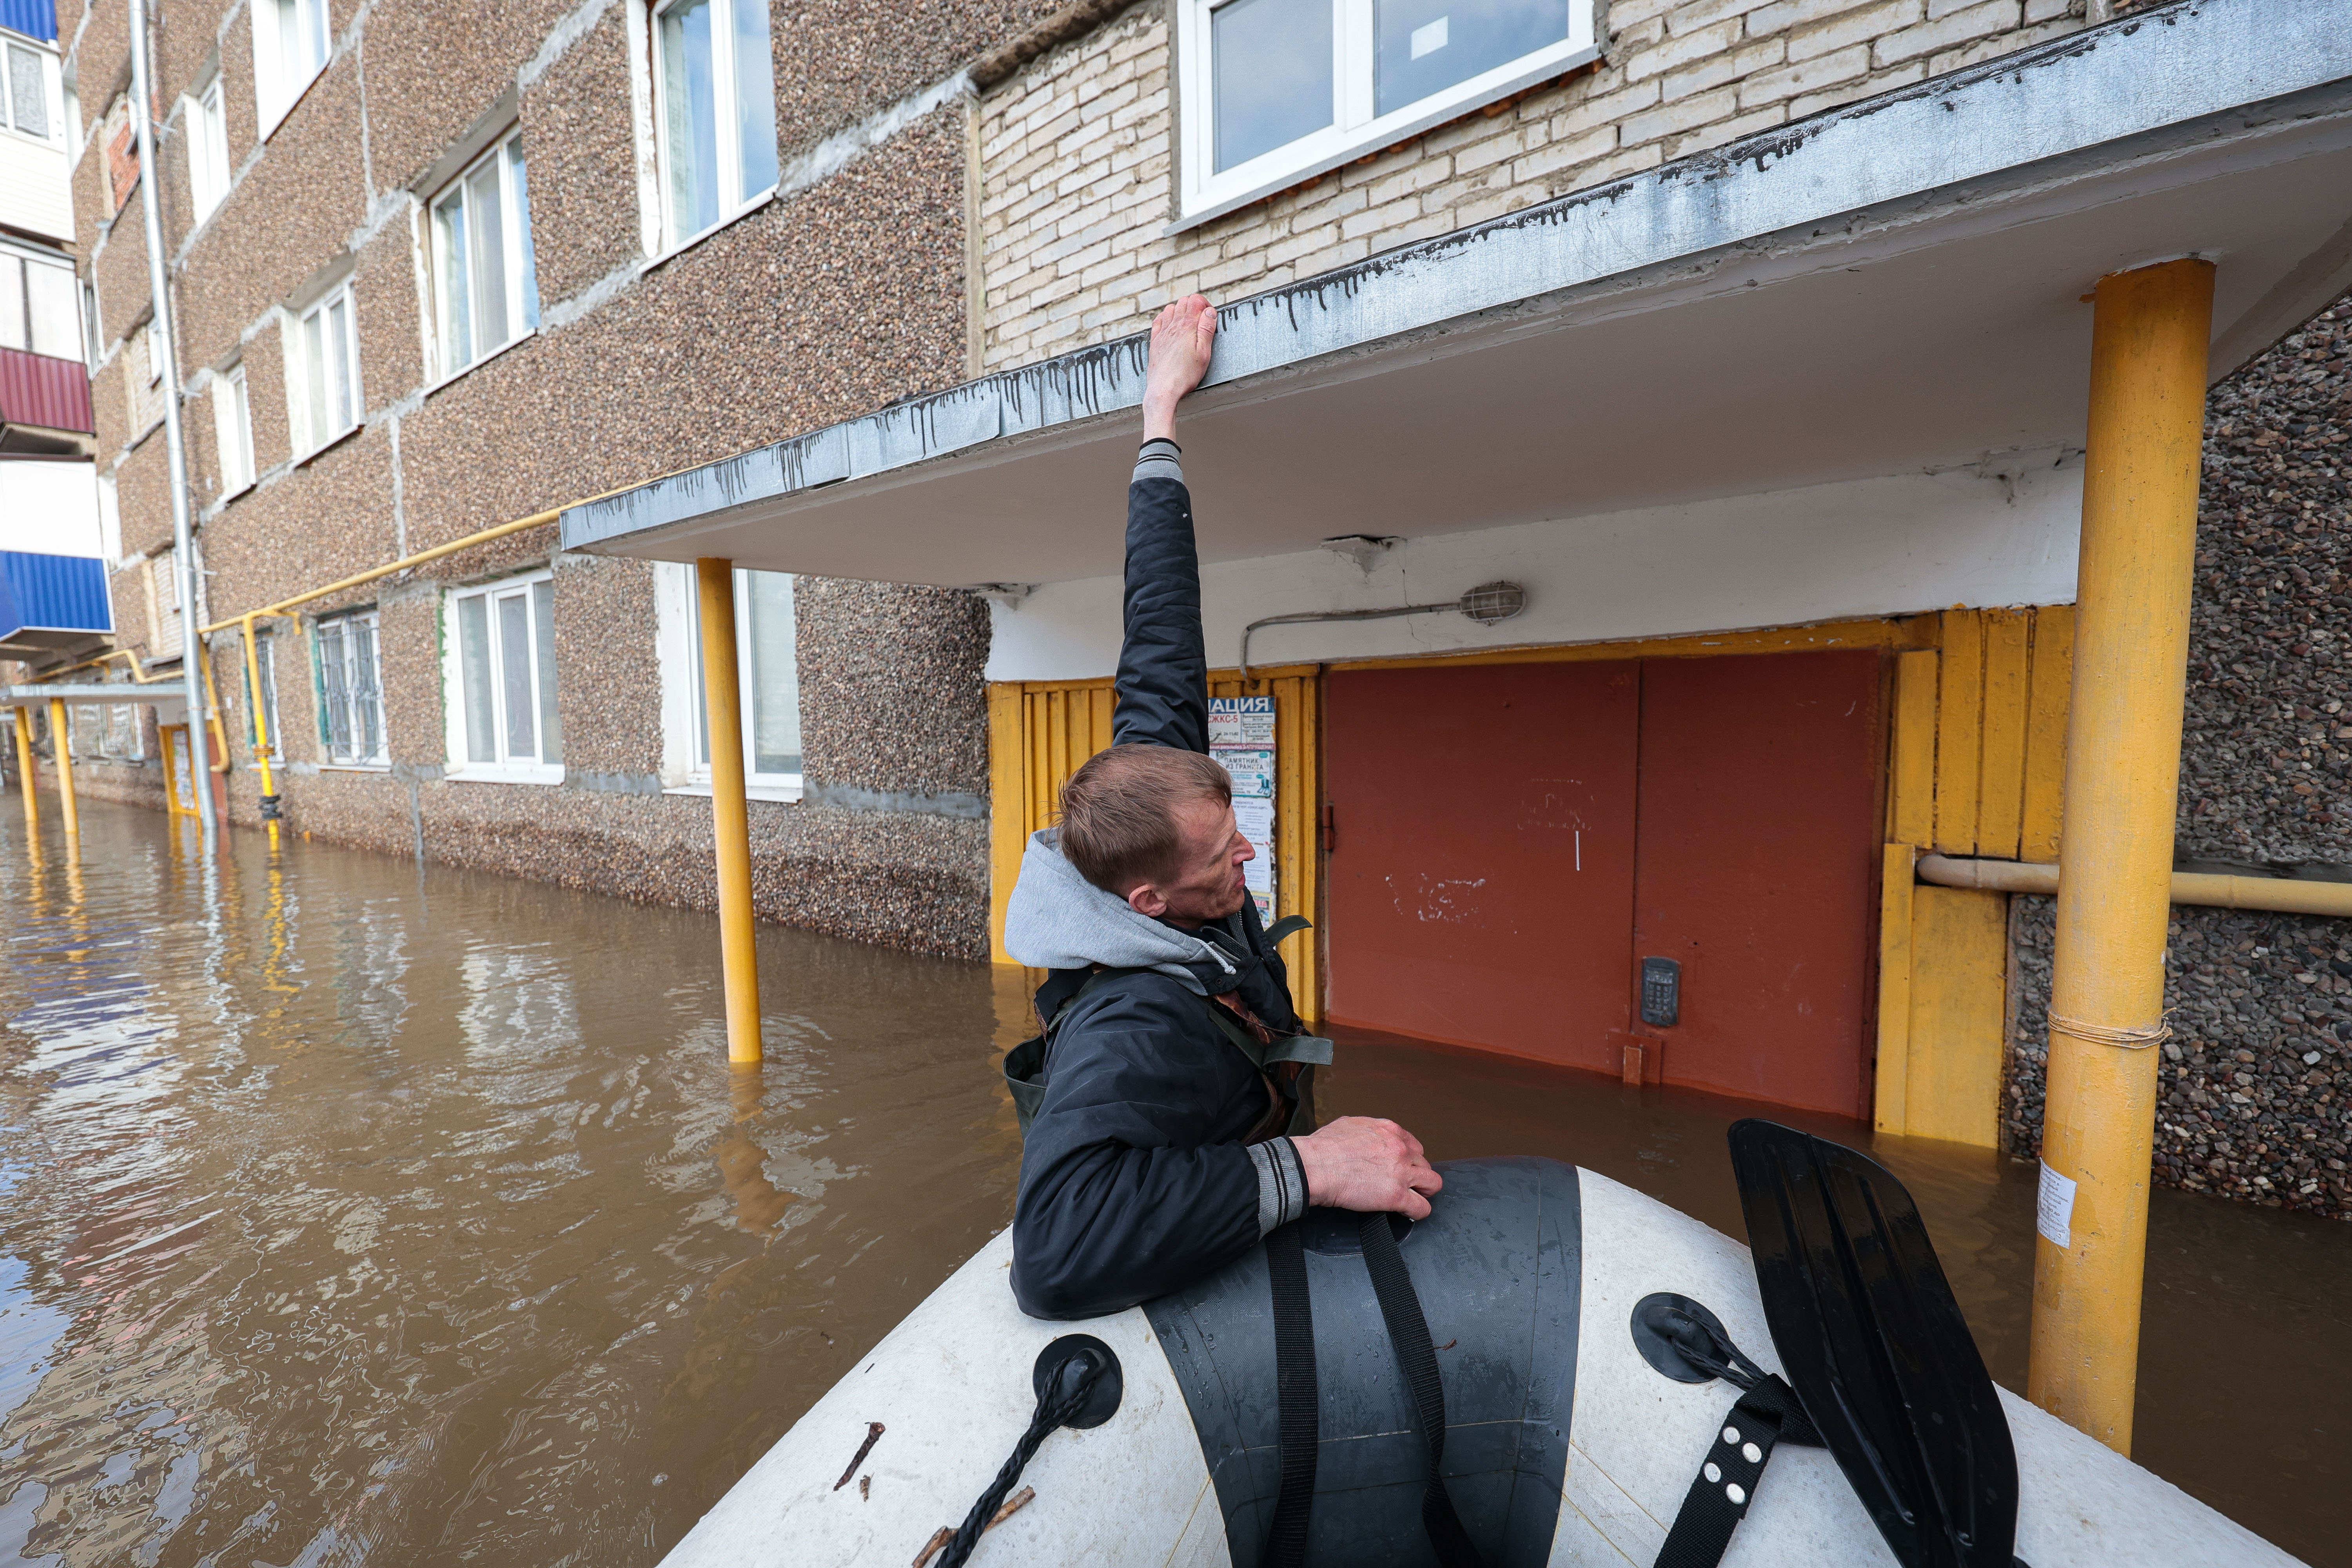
{"x": 354, "y": 1214}
{"x": 347, "y": 1229}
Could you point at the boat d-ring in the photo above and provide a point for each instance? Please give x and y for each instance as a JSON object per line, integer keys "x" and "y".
{"x": 1102, "y": 1399}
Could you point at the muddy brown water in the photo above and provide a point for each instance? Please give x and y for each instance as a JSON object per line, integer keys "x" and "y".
{"x": 350, "y": 1214}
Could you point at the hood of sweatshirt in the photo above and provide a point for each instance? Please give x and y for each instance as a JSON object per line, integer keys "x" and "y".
{"x": 1057, "y": 919}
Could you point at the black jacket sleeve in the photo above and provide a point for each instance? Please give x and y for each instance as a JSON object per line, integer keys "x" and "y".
{"x": 1114, "y": 1210}
{"x": 1163, "y": 672}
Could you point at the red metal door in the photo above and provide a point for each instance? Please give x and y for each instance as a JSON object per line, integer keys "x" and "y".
{"x": 1481, "y": 882}
{"x": 1758, "y": 862}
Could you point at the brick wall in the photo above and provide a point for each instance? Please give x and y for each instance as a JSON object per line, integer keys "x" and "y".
{"x": 1077, "y": 151}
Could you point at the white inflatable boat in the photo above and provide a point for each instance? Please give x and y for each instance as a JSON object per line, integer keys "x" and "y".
{"x": 1571, "y": 1433}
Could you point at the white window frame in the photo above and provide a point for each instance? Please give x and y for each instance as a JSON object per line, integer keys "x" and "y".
{"x": 52, "y": 84}
{"x": 233, "y": 431}
{"x": 461, "y": 767}
{"x": 330, "y": 756}
{"x": 169, "y": 636}
{"x": 279, "y": 80}
{"x": 727, "y": 133}
{"x": 519, "y": 269}
{"x": 20, "y": 267}
{"x": 204, "y": 113}
{"x": 677, "y": 645}
{"x": 1202, "y": 192}
{"x": 308, "y": 442}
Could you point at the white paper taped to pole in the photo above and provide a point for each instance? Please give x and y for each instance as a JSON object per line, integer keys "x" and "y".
{"x": 2053, "y": 1210}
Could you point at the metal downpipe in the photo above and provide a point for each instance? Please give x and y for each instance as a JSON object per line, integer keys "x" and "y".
{"x": 192, "y": 642}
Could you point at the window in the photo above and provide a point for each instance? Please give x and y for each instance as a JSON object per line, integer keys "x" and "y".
{"x": 715, "y": 83}
{"x": 290, "y": 50}
{"x": 1276, "y": 90}
{"x": 351, "y": 690}
{"x": 163, "y": 604}
{"x": 768, "y": 671}
{"x": 29, "y": 92}
{"x": 324, "y": 372}
{"x": 504, "y": 721}
{"x": 233, "y": 431}
{"x": 37, "y": 309}
{"x": 207, "y": 148}
{"x": 484, "y": 279}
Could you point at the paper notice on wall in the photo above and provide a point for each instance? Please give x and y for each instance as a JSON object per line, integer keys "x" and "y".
{"x": 1241, "y": 738}
{"x": 2054, "y": 1211}
{"x": 1242, "y": 721}
{"x": 1252, "y": 771}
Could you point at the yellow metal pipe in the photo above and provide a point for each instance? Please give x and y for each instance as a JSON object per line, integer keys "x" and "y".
{"x": 23, "y": 727}
{"x": 2148, "y": 335}
{"x": 731, "y": 813}
{"x": 61, "y": 747}
{"x": 204, "y": 656}
{"x": 260, "y": 729}
{"x": 2278, "y": 895}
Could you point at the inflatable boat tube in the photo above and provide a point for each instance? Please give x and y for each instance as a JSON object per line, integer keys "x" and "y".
{"x": 1563, "y": 1444}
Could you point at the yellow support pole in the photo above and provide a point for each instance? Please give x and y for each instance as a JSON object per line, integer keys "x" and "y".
{"x": 172, "y": 807}
{"x": 23, "y": 727}
{"x": 731, "y": 813}
{"x": 61, "y": 744}
{"x": 2148, "y": 338}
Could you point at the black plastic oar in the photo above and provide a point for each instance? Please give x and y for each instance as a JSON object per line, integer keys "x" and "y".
{"x": 1873, "y": 1343}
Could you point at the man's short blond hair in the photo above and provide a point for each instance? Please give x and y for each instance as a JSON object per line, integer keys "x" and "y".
{"x": 1118, "y": 812}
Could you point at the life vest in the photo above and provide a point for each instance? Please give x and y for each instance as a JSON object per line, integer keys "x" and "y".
{"x": 1286, "y": 1063}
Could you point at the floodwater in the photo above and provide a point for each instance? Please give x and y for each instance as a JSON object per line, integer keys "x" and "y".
{"x": 354, "y": 1214}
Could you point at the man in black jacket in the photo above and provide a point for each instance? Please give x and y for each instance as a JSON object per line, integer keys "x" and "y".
{"x": 1156, "y": 1155}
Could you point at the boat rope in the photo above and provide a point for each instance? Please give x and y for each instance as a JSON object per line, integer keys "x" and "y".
{"x": 1062, "y": 1394}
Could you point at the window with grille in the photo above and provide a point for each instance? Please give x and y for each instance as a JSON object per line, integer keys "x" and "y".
{"x": 351, "y": 690}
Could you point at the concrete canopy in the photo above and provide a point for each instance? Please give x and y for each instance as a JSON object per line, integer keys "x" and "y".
{"x": 1887, "y": 288}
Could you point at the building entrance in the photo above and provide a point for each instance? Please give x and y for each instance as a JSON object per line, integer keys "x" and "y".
{"x": 1560, "y": 860}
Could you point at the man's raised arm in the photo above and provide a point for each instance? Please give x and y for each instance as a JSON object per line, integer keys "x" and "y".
{"x": 1163, "y": 672}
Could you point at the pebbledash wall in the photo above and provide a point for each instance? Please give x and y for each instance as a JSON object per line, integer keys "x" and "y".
{"x": 2257, "y": 1082}
{"x": 841, "y": 293}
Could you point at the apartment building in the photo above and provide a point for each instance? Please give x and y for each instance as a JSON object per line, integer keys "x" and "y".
{"x": 1640, "y": 484}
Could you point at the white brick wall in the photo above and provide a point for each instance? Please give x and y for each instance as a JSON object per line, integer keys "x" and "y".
{"x": 1077, "y": 152}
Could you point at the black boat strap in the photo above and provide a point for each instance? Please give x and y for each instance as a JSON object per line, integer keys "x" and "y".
{"x": 1417, "y": 1359}
{"x": 1300, "y": 1426}
{"x": 1766, "y": 1415}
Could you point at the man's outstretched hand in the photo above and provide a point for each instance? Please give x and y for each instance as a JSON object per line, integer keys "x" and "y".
{"x": 1180, "y": 341}
{"x": 1367, "y": 1165}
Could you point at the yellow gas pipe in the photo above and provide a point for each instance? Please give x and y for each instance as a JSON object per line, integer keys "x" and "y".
{"x": 61, "y": 744}
{"x": 731, "y": 814}
{"x": 2148, "y": 336}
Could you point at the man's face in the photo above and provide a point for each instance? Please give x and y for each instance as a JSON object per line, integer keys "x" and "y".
{"x": 1207, "y": 884}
